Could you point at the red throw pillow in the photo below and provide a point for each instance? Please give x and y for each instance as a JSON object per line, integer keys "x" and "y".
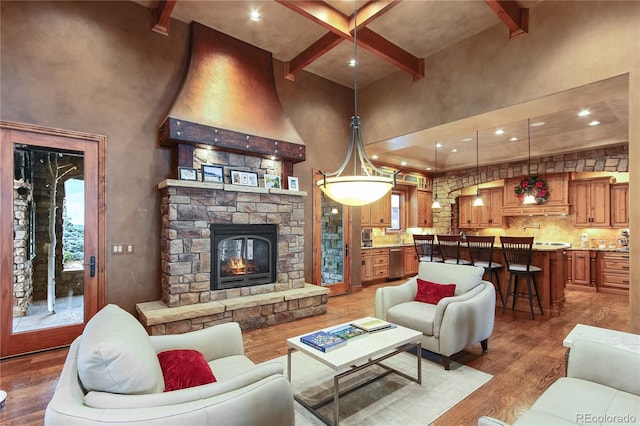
{"x": 184, "y": 368}
{"x": 429, "y": 292}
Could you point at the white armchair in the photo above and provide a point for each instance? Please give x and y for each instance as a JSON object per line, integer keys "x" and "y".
{"x": 454, "y": 322}
{"x": 112, "y": 376}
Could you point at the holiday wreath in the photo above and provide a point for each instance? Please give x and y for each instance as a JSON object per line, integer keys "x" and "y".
{"x": 534, "y": 185}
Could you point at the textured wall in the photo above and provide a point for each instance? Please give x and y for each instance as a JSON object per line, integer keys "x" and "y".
{"x": 97, "y": 67}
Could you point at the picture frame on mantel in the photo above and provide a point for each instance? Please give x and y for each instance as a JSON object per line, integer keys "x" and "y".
{"x": 187, "y": 173}
{"x": 211, "y": 173}
{"x": 244, "y": 178}
{"x": 272, "y": 181}
{"x": 293, "y": 183}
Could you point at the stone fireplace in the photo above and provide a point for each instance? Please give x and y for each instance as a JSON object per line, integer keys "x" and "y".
{"x": 237, "y": 123}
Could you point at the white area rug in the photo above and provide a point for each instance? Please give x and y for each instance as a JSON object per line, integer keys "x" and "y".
{"x": 392, "y": 400}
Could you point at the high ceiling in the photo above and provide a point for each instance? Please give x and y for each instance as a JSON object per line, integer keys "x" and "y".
{"x": 316, "y": 36}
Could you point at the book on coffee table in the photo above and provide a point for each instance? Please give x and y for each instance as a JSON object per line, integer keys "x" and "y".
{"x": 323, "y": 341}
{"x": 347, "y": 331}
{"x": 371, "y": 324}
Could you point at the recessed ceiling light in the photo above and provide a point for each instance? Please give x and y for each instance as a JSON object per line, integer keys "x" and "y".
{"x": 538, "y": 124}
{"x": 427, "y": 168}
{"x": 404, "y": 163}
{"x": 374, "y": 156}
{"x": 438, "y": 145}
{"x": 352, "y": 62}
{"x": 594, "y": 123}
{"x": 584, "y": 113}
{"x": 454, "y": 150}
{"x": 499, "y": 132}
{"x": 255, "y": 16}
{"x": 467, "y": 139}
{"x": 513, "y": 139}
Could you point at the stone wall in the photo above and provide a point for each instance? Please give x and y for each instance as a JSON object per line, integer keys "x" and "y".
{"x": 22, "y": 266}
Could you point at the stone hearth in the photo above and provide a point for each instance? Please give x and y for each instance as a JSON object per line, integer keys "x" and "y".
{"x": 187, "y": 209}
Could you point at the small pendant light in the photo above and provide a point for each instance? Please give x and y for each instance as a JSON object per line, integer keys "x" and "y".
{"x": 436, "y": 203}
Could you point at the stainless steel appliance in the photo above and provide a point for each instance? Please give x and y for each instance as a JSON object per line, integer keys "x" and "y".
{"x": 396, "y": 263}
{"x": 367, "y": 241}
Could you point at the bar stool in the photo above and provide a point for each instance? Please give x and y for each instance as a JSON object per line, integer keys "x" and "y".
{"x": 517, "y": 253}
{"x": 449, "y": 247}
{"x": 481, "y": 254}
{"x": 425, "y": 249}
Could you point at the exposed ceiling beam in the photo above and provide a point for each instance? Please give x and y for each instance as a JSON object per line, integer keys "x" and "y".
{"x": 162, "y": 15}
{"x": 340, "y": 28}
{"x": 514, "y": 16}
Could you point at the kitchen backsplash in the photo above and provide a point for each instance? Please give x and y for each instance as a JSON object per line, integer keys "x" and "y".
{"x": 543, "y": 228}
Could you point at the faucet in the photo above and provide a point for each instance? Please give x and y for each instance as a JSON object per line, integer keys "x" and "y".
{"x": 402, "y": 234}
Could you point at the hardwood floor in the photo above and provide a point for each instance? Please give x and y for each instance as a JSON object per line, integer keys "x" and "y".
{"x": 525, "y": 356}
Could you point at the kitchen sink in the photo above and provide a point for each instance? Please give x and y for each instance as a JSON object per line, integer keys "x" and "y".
{"x": 551, "y": 243}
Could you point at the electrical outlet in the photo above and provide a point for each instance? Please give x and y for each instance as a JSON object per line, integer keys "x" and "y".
{"x": 117, "y": 249}
{"x": 128, "y": 248}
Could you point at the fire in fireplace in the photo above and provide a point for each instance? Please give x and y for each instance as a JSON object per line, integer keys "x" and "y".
{"x": 244, "y": 255}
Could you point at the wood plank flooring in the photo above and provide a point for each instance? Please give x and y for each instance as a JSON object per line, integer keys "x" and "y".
{"x": 525, "y": 356}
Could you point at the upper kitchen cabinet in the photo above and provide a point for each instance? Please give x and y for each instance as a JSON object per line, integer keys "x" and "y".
{"x": 557, "y": 203}
{"x": 620, "y": 205}
{"x": 377, "y": 214}
{"x": 590, "y": 202}
{"x": 420, "y": 214}
{"x": 487, "y": 216}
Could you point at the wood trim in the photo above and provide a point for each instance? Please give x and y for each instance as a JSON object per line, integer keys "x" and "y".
{"x": 516, "y": 18}
{"x": 162, "y": 16}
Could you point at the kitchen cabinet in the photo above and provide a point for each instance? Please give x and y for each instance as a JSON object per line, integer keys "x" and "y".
{"x": 377, "y": 214}
{"x": 380, "y": 263}
{"x": 620, "y": 205}
{"x": 366, "y": 273}
{"x": 420, "y": 214}
{"x": 487, "y": 216}
{"x": 411, "y": 261}
{"x": 613, "y": 272}
{"x": 580, "y": 269}
{"x": 557, "y": 203}
{"x": 468, "y": 216}
{"x": 590, "y": 202}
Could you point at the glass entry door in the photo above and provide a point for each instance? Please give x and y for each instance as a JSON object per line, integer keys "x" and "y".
{"x": 331, "y": 243}
{"x": 49, "y": 227}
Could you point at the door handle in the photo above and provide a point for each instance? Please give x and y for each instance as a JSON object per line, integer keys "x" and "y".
{"x": 92, "y": 266}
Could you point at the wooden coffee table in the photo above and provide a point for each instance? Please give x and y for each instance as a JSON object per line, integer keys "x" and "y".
{"x": 360, "y": 352}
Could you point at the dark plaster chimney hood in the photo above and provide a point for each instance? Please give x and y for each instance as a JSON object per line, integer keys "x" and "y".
{"x": 229, "y": 101}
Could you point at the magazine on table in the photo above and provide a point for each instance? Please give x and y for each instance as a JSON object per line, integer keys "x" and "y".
{"x": 372, "y": 324}
{"x": 347, "y": 331}
{"x": 323, "y": 341}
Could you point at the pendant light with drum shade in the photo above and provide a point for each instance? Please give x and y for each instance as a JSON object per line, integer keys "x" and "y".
{"x": 478, "y": 200}
{"x": 364, "y": 188}
{"x": 529, "y": 197}
{"x": 436, "y": 203}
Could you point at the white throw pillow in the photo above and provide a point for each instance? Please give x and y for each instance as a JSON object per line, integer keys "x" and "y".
{"x": 465, "y": 277}
{"x": 115, "y": 355}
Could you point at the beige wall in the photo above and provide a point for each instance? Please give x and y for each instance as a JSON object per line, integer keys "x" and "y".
{"x": 97, "y": 67}
{"x": 570, "y": 43}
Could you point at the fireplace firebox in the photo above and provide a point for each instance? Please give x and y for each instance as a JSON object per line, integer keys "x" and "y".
{"x": 244, "y": 255}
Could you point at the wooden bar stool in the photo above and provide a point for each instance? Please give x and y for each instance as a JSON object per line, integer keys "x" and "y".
{"x": 449, "y": 247}
{"x": 517, "y": 253}
{"x": 425, "y": 249}
{"x": 481, "y": 254}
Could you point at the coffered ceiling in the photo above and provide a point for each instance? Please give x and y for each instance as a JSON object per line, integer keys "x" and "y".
{"x": 316, "y": 36}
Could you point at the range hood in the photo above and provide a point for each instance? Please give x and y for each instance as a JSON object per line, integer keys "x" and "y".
{"x": 229, "y": 101}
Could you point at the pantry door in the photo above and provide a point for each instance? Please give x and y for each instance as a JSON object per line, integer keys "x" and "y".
{"x": 51, "y": 235}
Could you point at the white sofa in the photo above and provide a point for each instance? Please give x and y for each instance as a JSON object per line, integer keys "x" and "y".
{"x": 602, "y": 387}
{"x": 112, "y": 376}
{"x": 454, "y": 322}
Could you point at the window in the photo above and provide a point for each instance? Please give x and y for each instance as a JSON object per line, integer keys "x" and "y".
{"x": 397, "y": 211}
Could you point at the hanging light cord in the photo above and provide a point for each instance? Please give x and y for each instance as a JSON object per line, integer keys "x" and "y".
{"x": 477, "y": 161}
{"x": 529, "y": 138}
{"x": 435, "y": 146}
